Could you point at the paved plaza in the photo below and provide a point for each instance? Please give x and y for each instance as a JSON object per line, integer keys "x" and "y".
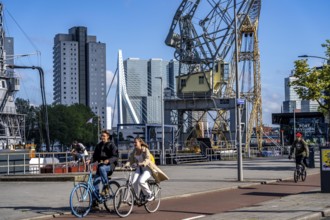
{"x": 35, "y": 199}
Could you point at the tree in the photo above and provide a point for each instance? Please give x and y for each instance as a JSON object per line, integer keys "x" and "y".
{"x": 31, "y": 119}
{"x": 313, "y": 83}
{"x": 66, "y": 123}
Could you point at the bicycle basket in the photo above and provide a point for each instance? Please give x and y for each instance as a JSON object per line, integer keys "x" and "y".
{"x": 81, "y": 178}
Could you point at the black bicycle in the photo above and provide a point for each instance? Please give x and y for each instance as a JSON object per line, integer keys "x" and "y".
{"x": 126, "y": 198}
{"x": 82, "y": 194}
{"x": 299, "y": 173}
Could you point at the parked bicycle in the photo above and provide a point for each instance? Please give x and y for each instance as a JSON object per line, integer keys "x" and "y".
{"x": 126, "y": 197}
{"x": 300, "y": 173}
{"x": 82, "y": 194}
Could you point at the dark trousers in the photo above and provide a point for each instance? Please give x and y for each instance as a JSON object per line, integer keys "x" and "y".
{"x": 301, "y": 160}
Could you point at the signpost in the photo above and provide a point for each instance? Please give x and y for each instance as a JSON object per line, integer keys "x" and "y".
{"x": 325, "y": 169}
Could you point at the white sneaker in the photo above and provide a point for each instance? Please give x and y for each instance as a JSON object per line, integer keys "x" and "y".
{"x": 150, "y": 198}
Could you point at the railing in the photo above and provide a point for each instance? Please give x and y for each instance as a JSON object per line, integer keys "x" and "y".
{"x": 15, "y": 162}
{"x": 32, "y": 162}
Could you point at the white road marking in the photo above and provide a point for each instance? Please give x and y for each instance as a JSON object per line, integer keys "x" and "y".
{"x": 196, "y": 217}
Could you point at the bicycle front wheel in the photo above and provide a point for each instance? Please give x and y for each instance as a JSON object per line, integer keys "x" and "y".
{"x": 303, "y": 175}
{"x": 80, "y": 200}
{"x": 123, "y": 201}
{"x": 153, "y": 205}
{"x": 296, "y": 175}
{"x": 108, "y": 202}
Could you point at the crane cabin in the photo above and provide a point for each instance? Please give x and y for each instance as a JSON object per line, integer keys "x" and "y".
{"x": 203, "y": 84}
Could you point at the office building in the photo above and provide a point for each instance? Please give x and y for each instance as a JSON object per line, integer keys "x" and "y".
{"x": 144, "y": 88}
{"x": 293, "y": 102}
{"x": 80, "y": 71}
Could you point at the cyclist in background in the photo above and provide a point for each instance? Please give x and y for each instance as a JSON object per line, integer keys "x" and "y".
{"x": 79, "y": 152}
{"x": 300, "y": 148}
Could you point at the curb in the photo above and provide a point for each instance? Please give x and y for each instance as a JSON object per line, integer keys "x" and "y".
{"x": 37, "y": 177}
{"x": 312, "y": 216}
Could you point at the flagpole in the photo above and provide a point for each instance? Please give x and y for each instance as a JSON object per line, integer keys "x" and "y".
{"x": 91, "y": 120}
{"x": 98, "y": 129}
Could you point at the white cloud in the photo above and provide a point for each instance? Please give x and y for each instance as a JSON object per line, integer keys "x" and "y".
{"x": 271, "y": 103}
{"x": 109, "y": 77}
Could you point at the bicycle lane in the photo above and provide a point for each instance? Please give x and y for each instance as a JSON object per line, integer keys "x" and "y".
{"x": 223, "y": 201}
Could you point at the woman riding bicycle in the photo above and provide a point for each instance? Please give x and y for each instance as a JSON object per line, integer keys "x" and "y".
{"x": 140, "y": 158}
{"x": 301, "y": 150}
{"x": 106, "y": 154}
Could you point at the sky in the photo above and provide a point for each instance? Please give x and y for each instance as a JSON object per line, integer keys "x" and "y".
{"x": 287, "y": 29}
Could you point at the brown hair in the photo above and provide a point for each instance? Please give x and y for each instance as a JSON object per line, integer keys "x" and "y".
{"x": 108, "y": 133}
{"x": 144, "y": 144}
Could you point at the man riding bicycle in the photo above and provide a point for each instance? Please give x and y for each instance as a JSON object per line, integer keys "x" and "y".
{"x": 106, "y": 154}
{"x": 300, "y": 147}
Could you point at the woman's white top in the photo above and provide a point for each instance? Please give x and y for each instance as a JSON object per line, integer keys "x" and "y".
{"x": 139, "y": 158}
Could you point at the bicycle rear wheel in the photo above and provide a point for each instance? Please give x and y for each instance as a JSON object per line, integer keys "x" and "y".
{"x": 303, "y": 175}
{"x": 153, "y": 205}
{"x": 108, "y": 202}
{"x": 123, "y": 201}
{"x": 80, "y": 200}
{"x": 296, "y": 175}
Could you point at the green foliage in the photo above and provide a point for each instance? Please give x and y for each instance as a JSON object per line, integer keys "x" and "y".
{"x": 313, "y": 83}
{"x": 66, "y": 123}
{"x": 31, "y": 119}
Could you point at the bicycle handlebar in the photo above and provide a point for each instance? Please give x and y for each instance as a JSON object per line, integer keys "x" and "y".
{"x": 127, "y": 168}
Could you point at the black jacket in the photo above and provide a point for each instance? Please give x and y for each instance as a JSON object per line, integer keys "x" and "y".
{"x": 300, "y": 148}
{"x": 105, "y": 151}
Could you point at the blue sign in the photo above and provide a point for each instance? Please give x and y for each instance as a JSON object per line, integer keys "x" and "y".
{"x": 240, "y": 101}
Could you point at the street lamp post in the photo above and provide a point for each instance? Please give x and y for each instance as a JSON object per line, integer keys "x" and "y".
{"x": 282, "y": 134}
{"x": 162, "y": 159}
{"x": 323, "y": 58}
{"x": 238, "y": 113}
{"x": 294, "y": 121}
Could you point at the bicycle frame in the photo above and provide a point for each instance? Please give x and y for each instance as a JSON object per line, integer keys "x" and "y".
{"x": 84, "y": 193}
{"x": 91, "y": 187}
{"x": 126, "y": 197}
{"x": 299, "y": 172}
{"x": 137, "y": 199}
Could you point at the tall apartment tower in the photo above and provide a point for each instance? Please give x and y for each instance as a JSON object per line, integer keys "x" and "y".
{"x": 80, "y": 71}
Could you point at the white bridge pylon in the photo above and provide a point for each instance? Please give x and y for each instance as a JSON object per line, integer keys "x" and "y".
{"x": 122, "y": 93}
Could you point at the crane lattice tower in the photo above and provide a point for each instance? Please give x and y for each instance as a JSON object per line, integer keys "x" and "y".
{"x": 203, "y": 35}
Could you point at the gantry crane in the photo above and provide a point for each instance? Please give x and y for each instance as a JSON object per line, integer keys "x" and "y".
{"x": 203, "y": 36}
{"x": 11, "y": 124}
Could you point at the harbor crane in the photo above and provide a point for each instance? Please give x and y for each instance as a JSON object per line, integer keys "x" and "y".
{"x": 202, "y": 34}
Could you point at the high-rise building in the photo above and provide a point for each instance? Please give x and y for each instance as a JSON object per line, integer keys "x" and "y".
{"x": 292, "y": 101}
{"x": 80, "y": 71}
{"x": 144, "y": 88}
